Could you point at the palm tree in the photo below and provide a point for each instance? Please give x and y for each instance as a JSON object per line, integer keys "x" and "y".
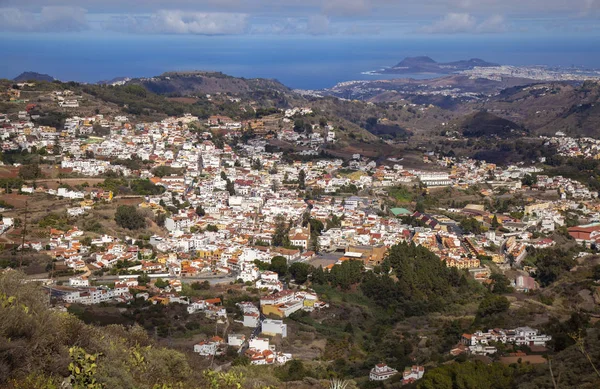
{"x": 338, "y": 384}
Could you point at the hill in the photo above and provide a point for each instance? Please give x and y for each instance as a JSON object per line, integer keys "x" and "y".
{"x": 485, "y": 124}
{"x": 33, "y": 76}
{"x": 424, "y": 64}
{"x": 550, "y": 107}
{"x": 447, "y": 92}
{"x": 198, "y": 83}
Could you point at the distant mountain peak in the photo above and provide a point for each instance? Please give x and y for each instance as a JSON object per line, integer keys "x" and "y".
{"x": 413, "y": 61}
{"x": 33, "y": 76}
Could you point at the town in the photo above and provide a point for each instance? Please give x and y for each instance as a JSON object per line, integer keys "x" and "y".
{"x": 207, "y": 214}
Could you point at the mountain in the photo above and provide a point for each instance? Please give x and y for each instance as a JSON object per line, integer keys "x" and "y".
{"x": 415, "y": 61}
{"x": 33, "y": 76}
{"x": 200, "y": 82}
{"x": 424, "y": 64}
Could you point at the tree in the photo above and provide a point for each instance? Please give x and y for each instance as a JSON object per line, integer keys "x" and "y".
{"x": 160, "y": 283}
{"x": 230, "y": 187}
{"x": 492, "y": 304}
{"x": 299, "y": 125}
{"x": 500, "y": 284}
{"x": 128, "y": 217}
{"x": 280, "y": 237}
{"x": 30, "y": 172}
{"x": 212, "y": 228}
{"x": 551, "y": 263}
{"x": 471, "y": 225}
{"x": 257, "y": 164}
{"x": 296, "y": 370}
{"x": 528, "y": 180}
{"x": 143, "y": 279}
{"x": 346, "y": 274}
{"x": 420, "y": 207}
{"x": 279, "y": 265}
{"x": 302, "y": 179}
{"x": 205, "y": 285}
{"x": 300, "y": 272}
{"x": 318, "y": 276}
{"x": 495, "y": 224}
{"x": 200, "y": 211}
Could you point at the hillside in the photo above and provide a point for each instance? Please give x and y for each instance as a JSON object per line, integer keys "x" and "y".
{"x": 485, "y": 124}
{"x": 199, "y": 83}
{"x": 447, "y": 92}
{"x": 550, "y": 107}
{"x": 33, "y": 76}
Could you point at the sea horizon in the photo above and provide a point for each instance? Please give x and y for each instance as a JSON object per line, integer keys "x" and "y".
{"x": 297, "y": 62}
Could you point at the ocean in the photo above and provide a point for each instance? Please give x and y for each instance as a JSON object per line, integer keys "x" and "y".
{"x": 298, "y": 62}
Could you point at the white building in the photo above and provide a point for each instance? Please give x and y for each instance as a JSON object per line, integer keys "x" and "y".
{"x": 274, "y": 327}
{"x": 413, "y": 373}
{"x": 435, "y": 179}
{"x": 382, "y": 372}
{"x": 236, "y": 340}
{"x": 79, "y": 281}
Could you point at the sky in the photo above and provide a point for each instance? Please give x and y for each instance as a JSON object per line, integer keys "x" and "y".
{"x": 387, "y": 18}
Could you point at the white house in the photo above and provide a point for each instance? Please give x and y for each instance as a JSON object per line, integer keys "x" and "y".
{"x": 79, "y": 281}
{"x": 236, "y": 340}
{"x": 413, "y": 373}
{"x": 382, "y": 372}
{"x": 209, "y": 347}
{"x": 274, "y": 327}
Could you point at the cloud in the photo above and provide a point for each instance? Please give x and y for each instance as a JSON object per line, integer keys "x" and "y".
{"x": 49, "y": 19}
{"x": 345, "y": 7}
{"x": 493, "y": 24}
{"x": 452, "y": 23}
{"x": 458, "y": 23}
{"x": 181, "y": 22}
{"x": 313, "y": 25}
{"x": 318, "y": 25}
{"x": 215, "y": 17}
{"x": 204, "y": 23}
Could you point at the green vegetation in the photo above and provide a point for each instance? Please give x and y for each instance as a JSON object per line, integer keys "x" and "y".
{"x": 54, "y": 220}
{"x": 162, "y": 171}
{"x": 471, "y": 226}
{"x": 128, "y": 217}
{"x": 423, "y": 283}
{"x": 300, "y": 272}
{"x": 280, "y": 237}
{"x": 142, "y": 187}
{"x": 90, "y": 357}
{"x": 402, "y": 194}
{"x": 470, "y": 375}
{"x": 551, "y": 263}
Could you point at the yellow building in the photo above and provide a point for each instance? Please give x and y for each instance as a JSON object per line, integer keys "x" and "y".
{"x": 272, "y": 310}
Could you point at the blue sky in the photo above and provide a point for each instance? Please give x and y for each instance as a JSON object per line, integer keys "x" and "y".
{"x": 388, "y": 18}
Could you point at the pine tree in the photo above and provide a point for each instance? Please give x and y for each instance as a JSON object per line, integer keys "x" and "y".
{"x": 302, "y": 179}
